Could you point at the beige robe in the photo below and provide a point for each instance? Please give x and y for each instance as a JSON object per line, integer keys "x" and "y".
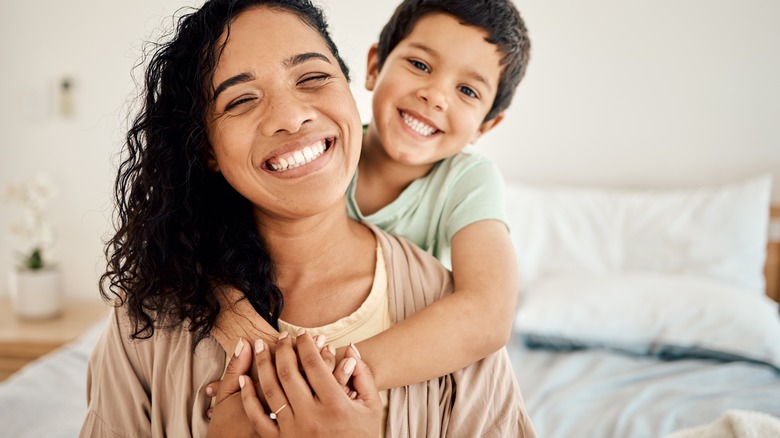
{"x": 156, "y": 387}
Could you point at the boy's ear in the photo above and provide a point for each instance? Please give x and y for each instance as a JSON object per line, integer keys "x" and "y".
{"x": 487, "y": 126}
{"x": 372, "y": 68}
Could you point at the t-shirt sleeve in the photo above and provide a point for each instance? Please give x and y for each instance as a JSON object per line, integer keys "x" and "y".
{"x": 117, "y": 396}
{"x": 477, "y": 194}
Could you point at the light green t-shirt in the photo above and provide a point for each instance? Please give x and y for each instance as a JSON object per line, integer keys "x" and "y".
{"x": 458, "y": 191}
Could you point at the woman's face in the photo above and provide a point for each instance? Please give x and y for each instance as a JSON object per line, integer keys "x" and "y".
{"x": 284, "y": 128}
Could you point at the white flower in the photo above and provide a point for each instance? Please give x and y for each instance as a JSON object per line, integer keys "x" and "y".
{"x": 34, "y": 233}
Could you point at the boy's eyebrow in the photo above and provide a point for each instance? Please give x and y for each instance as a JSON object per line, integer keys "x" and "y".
{"x": 473, "y": 73}
{"x": 479, "y": 78}
{"x": 288, "y": 63}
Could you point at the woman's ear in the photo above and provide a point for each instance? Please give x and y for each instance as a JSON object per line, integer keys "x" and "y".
{"x": 487, "y": 126}
{"x": 372, "y": 68}
{"x": 211, "y": 160}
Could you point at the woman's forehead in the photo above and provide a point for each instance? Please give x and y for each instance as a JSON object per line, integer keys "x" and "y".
{"x": 270, "y": 34}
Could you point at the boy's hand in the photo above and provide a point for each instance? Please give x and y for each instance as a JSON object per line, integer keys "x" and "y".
{"x": 316, "y": 404}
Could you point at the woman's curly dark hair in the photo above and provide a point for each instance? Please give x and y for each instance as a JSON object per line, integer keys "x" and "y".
{"x": 182, "y": 232}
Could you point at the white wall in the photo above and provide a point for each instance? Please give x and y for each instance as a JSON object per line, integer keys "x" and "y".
{"x": 620, "y": 93}
{"x": 646, "y": 94}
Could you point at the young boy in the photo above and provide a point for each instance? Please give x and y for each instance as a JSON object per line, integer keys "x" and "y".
{"x": 442, "y": 74}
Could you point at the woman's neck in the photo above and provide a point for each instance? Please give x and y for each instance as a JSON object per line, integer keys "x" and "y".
{"x": 324, "y": 265}
{"x": 289, "y": 241}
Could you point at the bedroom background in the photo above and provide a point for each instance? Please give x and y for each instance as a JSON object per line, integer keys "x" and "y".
{"x": 650, "y": 94}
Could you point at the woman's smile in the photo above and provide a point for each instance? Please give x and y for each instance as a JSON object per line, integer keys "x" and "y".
{"x": 284, "y": 162}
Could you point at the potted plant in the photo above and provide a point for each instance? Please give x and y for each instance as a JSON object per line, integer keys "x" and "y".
{"x": 34, "y": 281}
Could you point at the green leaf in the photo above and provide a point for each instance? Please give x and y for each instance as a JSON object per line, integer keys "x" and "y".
{"x": 35, "y": 260}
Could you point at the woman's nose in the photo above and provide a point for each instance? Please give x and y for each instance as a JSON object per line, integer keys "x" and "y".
{"x": 286, "y": 113}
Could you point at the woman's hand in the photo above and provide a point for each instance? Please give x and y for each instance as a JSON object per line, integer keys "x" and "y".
{"x": 328, "y": 356}
{"x": 314, "y": 405}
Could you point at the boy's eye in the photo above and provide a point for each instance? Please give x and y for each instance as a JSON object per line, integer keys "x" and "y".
{"x": 419, "y": 65}
{"x": 467, "y": 91}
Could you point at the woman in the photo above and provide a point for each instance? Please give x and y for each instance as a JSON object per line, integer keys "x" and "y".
{"x": 203, "y": 208}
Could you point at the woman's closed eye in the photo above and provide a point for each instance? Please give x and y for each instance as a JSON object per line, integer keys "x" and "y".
{"x": 241, "y": 100}
{"x": 314, "y": 79}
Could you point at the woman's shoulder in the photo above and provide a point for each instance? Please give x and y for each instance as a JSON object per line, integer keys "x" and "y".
{"x": 402, "y": 254}
{"x": 140, "y": 348}
{"x": 124, "y": 373}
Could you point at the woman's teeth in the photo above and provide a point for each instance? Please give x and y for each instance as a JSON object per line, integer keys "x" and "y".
{"x": 417, "y": 126}
{"x": 297, "y": 158}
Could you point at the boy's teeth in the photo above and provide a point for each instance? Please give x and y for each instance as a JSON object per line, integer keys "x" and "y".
{"x": 298, "y": 158}
{"x": 417, "y": 126}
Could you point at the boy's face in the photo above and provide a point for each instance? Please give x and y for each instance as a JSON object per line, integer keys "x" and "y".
{"x": 434, "y": 90}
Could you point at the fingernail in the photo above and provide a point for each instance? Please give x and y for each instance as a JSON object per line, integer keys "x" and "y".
{"x": 282, "y": 335}
{"x": 349, "y": 365}
{"x": 239, "y": 346}
{"x": 241, "y": 381}
{"x": 210, "y": 413}
{"x": 331, "y": 350}
{"x": 209, "y": 391}
{"x": 259, "y": 346}
{"x": 319, "y": 341}
{"x": 301, "y": 332}
{"x": 352, "y": 346}
{"x": 353, "y": 395}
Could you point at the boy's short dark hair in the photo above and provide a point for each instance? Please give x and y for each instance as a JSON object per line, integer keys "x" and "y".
{"x": 499, "y": 18}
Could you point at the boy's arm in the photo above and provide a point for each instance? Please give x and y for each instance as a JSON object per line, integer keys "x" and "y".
{"x": 461, "y": 328}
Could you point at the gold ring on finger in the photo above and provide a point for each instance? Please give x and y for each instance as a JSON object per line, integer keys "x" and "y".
{"x": 276, "y": 412}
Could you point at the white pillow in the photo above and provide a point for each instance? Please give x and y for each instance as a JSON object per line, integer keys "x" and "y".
{"x": 717, "y": 232}
{"x": 649, "y": 313}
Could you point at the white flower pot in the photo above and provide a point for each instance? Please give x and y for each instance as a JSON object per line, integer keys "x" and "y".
{"x": 36, "y": 294}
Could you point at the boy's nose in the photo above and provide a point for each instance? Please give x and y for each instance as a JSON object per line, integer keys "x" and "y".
{"x": 434, "y": 97}
{"x": 286, "y": 113}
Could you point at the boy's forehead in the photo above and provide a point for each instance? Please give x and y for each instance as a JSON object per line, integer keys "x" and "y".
{"x": 432, "y": 24}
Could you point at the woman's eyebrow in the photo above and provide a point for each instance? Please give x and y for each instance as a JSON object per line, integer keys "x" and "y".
{"x": 237, "y": 79}
{"x": 288, "y": 63}
{"x": 303, "y": 57}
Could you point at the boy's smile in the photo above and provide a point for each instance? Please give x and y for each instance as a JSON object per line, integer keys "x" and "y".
{"x": 433, "y": 91}
{"x": 418, "y": 124}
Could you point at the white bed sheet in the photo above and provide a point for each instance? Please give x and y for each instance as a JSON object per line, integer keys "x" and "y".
{"x": 47, "y": 398}
{"x": 602, "y": 393}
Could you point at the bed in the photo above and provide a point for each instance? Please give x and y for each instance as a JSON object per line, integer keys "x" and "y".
{"x": 643, "y": 313}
